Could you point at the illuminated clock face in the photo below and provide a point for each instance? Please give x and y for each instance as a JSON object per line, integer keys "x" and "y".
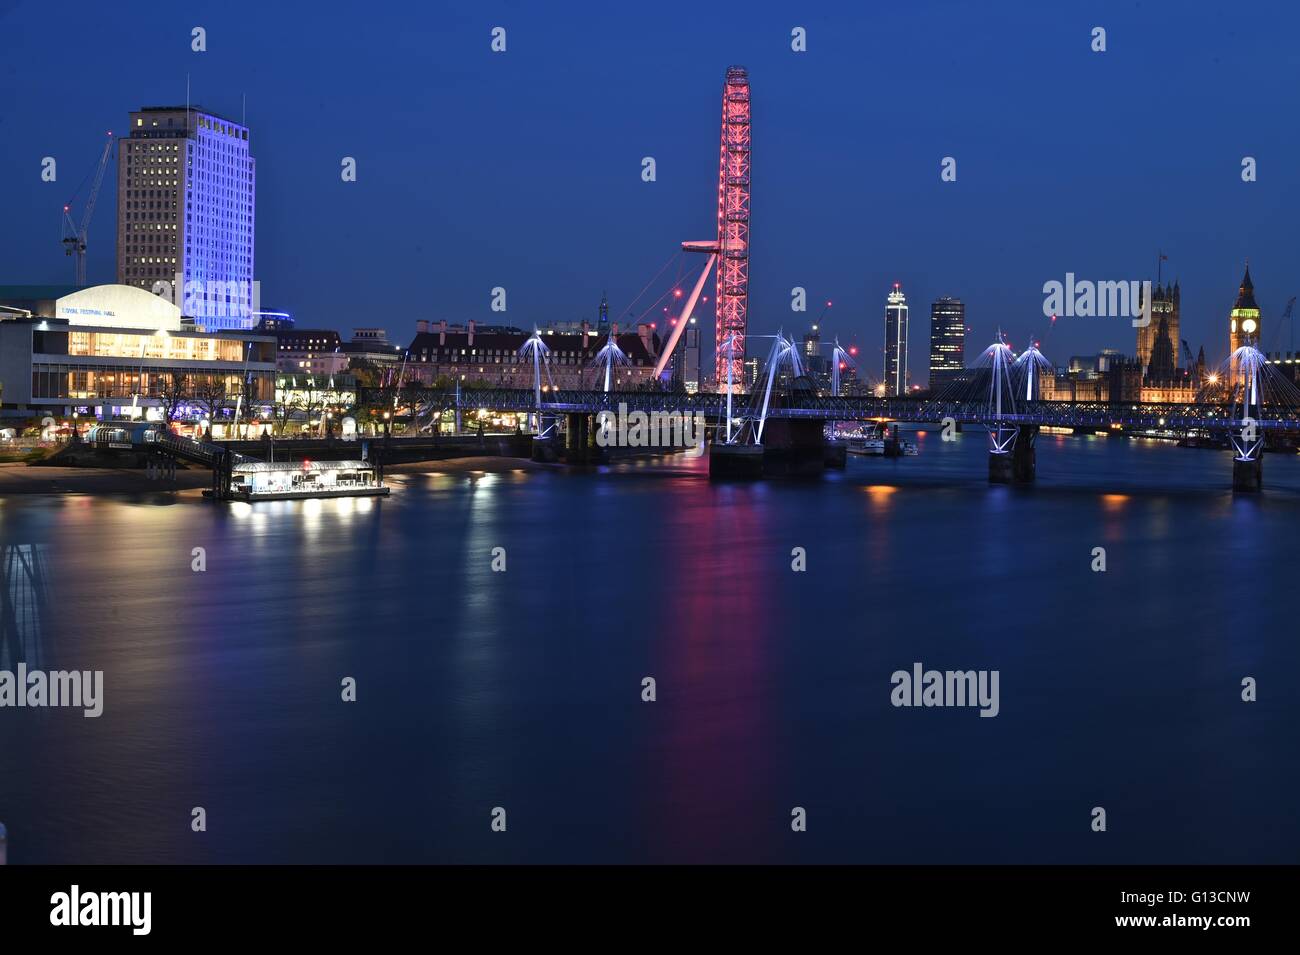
{"x": 1249, "y": 326}
{"x": 1234, "y": 325}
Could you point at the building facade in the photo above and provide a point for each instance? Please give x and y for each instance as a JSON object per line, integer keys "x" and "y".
{"x": 186, "y": 183}
{"x": 947, "y": 342}
{"x": 115, "y": 351}
{"x": 1166, "y": 306}
{"x": 489, "y": 356}
{"x": 685, "y": 362}
{"x": 309, "y": 351}
{"x": 895, "y": 372}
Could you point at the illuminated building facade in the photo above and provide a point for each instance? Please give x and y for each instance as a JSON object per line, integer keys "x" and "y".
{"x": 947, "y": 342}
{"x": 310, "y": 351}
{"x": 313, "y": 393}
{"x": 1166, "y": 306}
{"x": 113, "y": 351}
{"x": 185, "y": 185}
{"x": 895, "y": 376}
{"x": 490, "y": 355}
{"x": 686, "y": 358}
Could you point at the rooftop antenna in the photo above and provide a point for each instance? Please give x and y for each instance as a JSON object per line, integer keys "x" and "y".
{"x": 243, "y": 112}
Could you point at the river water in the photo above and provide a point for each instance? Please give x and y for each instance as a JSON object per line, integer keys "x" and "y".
{"x": 522, "y": 689}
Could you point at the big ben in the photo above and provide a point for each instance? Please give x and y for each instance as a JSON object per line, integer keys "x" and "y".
{"x": 1243, "y": 327}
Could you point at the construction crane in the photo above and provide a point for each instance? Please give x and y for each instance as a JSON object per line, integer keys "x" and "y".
{"x": 1286, "y": 317}
{"x": 74, "y": 236}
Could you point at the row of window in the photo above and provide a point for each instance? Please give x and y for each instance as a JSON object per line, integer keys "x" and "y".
{"x": 59, "y": 381}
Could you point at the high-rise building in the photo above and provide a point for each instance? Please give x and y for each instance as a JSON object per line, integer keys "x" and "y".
{"x": 1165, "y": 304}
{"x": 812, "y": 343}
{"x": 185, "y": 188}
{"x": 947, "y": 342}
{"x": 815, "y": 364}
{"x": 895, "y": 377}
{"x": 686, "y": 358}
{"x": 1243, "y": 320}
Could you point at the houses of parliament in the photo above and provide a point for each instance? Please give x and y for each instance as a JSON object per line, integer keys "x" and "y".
{"x": 1163, "y": 369}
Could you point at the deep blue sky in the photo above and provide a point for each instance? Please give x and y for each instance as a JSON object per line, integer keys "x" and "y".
{"x": 523, "y": 169}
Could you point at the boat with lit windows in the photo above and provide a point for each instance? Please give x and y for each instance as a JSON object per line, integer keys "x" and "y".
{"x": 872, "y": 446}
{"x": 298, "y": 480}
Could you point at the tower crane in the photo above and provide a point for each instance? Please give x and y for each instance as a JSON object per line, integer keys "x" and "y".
{"x": 74, "y": 235}
{"x": 1286, "y": 317}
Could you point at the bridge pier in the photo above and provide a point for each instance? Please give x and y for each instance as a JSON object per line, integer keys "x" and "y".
{"x": 1248, "y": 476}
{"x": 1019, "y": 463}
{"x": 580, "y": 445}
{"x": 794, "y": 447}
{"x": 544, "y": 450}
{"x": 735, "y": 461}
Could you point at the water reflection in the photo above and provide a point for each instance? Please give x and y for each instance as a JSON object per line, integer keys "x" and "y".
{"x": 522, "y": 688}
{"x": 24, "y": 600}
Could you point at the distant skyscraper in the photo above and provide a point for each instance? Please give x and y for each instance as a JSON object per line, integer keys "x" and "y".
{"x": 815, "y": 363}
{"x": 686, "y": 358}
{"x": 896, "y": 342}
{"x": 185, "y": 188}
{"x": 947, "y": 342}
{"x": 812, "y": 343}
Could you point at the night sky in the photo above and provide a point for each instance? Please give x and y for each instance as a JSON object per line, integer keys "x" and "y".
{"x": 523, "y": 169}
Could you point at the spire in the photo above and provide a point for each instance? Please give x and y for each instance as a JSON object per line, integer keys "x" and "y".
{"x": 603, "y": 321}
{"x": 1246, "y": 294}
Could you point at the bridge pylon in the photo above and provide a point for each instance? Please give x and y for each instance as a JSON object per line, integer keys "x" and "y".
{"x": 1247, "y": 364}
{"x": 1011, "y": 445}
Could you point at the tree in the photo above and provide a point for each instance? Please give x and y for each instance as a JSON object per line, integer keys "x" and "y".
{"x": 210, "y": 396}
{"x": 168, "y": 389}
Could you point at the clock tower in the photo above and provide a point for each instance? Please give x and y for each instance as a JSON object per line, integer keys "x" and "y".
{"x": 1243, "y": 322}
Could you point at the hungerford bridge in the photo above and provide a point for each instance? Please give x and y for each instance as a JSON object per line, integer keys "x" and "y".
{"x": 1248, "y": 402}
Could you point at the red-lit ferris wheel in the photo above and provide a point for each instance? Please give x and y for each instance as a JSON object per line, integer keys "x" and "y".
{"x": 732, "y": 301}
{"x": 730, "y": 250}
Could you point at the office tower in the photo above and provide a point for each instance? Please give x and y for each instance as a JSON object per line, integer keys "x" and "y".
{"x": 815, "y": 364}
{"x": 185, "y": 188}
{"x": 812, "y": 344}
{"x": 947, "y": 342}
{"x": 685, "y": 363}
{"x": 895, "y": 377}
